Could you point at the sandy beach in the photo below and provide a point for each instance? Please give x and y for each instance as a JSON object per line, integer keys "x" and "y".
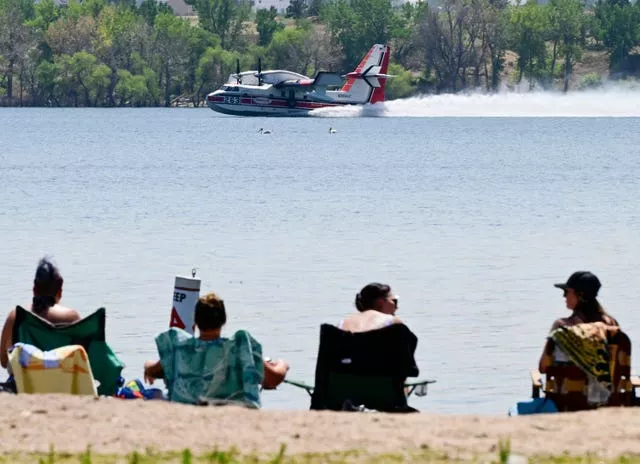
{"x": 114, "y": 426}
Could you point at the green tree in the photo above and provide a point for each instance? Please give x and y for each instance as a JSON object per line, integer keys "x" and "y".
{"x": 149, "y": 9}
{"x": 47, "y": 78}
{"x": 68, "y": 35}
{"x": 618, "y": 26}
{"x": 92, "y": 8}
{"x": 405, "y": 46}
{"x": 84, "y": 76}
{"x": 214, "y": 66}
{"x": 297, "y": 9}
{"x": 132, "y": 89}
{"x": 98, "y": 83}
{"x": 46, "y": 13}
{"x": 171, "y": 45}
{"x": 199, "y": 41}
{"x": 223, "y": 18}
{"x": 402, "y": 85}
{"x": 120, "y": 34}
{"x": 566, "y": 21}
{"x": 358, "y": 24}
{"x": 267, "y": 25}
{"x": 528, "y": 27}
{"x": 315, "y": 7}
{"x": 287, "y": 49}
{"x": 305, "y": 49}
{"x": 139, "y": 66}
{"x": 496, "y": 18}
{"x": 454, "y": 45}
{"x": 15, "y": 38}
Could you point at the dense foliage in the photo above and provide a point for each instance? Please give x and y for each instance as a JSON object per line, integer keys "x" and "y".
{"x": 97, "y": 53}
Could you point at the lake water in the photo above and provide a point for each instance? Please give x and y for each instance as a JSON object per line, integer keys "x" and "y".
{"x": 471, "y": 220}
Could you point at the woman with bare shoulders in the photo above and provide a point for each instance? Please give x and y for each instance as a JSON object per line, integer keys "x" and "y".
{"x": 580, "y": 292}
{"x": 47, "y": 292}
{"x": 377, "y": 307}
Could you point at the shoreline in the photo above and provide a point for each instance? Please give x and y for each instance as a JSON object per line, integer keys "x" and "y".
{"x": 71, "y": 424}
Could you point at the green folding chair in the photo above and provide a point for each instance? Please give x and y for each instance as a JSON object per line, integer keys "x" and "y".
{"x": 88, "y": 332}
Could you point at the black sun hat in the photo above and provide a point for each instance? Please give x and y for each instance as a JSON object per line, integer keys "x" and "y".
{"x": 582, "y": 281}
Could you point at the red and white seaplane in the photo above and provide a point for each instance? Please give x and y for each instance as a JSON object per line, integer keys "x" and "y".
{"x": 286, "y": 93}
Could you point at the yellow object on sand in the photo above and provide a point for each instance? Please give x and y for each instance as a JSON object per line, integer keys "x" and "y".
{"x": 63, "y": 370}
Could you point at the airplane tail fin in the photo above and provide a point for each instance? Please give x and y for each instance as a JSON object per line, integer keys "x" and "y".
{"x": 367, "y": 82}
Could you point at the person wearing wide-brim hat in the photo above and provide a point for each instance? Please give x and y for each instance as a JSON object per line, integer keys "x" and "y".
{"x": 580, "y": 292}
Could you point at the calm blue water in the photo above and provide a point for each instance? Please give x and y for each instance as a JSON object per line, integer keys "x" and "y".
{"x": 471, "y": 220}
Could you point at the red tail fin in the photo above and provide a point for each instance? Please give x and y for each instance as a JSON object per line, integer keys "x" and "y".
{"x": 378, "y": 93}
{"x": 361, "y": 67}
{"x": 366, "y": 83}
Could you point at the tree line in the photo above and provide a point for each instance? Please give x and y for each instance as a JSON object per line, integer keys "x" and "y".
{"x": 100, "y": 53}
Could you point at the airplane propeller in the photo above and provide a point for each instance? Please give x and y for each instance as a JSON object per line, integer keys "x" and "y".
{"x": 238, "y": 71}
{"x": 259, "y": 71}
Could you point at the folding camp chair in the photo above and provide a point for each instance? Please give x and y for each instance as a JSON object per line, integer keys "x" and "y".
{"x": 365, "y": 370}
{"x": 566, "y": 384}
{"x": 88, "y": 332}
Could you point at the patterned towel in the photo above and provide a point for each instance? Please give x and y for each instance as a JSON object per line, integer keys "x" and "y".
{"x": 63, "y": 370}
{"x": 198, "y": 371}
{"x": 586, "y": 346}
{"x": 135, "y": 389}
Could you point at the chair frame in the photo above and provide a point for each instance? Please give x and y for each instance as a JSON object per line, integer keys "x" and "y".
{"x": 420, "y": 387}
{"x": 624, "y": 384}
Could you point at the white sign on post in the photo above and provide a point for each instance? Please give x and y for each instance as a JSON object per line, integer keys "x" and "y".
{"x": 186, "y": 292}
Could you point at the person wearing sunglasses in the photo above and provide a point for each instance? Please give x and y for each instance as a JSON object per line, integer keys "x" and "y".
{"x": 376, "y": 306}
{"x": 580, "y": 293}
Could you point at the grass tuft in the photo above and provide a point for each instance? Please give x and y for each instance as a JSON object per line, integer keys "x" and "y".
{"x": 86, "y": 456}
{"x": 220, "y": 457}
{"x": 134, "y": 458}
{"x": 50, "y": 458}
{"x": 504, "y": 450}
{"x": 279, "y": 459}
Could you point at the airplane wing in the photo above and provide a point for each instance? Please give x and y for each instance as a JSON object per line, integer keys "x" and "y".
{"x": 322, "y": 79}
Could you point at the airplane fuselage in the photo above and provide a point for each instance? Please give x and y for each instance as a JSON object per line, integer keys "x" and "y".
{"x": 268, "y": 100}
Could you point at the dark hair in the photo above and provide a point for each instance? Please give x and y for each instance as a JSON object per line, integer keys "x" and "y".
{"x": 46, "y": 285}
{"x": 210, "y": 312}
{"x": 367, "y": 297}
{"x": 590, "y": 307}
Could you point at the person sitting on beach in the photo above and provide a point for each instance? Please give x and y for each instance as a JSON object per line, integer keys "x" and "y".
{"x": 582, "y": 338}
{"x": 377, "y": 307}
{"x": 580, "y": 292}
{"x": 195, "y": 368}
{"x": 47, "y": 292}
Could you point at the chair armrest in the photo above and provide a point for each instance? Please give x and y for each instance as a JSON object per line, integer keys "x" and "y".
{"x": 536, "y": 383}
{"x": 304, "y": 386}
{"x": 419, "y": 386}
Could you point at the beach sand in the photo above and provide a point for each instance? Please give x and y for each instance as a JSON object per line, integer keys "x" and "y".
{"x": 114, "y": 426}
